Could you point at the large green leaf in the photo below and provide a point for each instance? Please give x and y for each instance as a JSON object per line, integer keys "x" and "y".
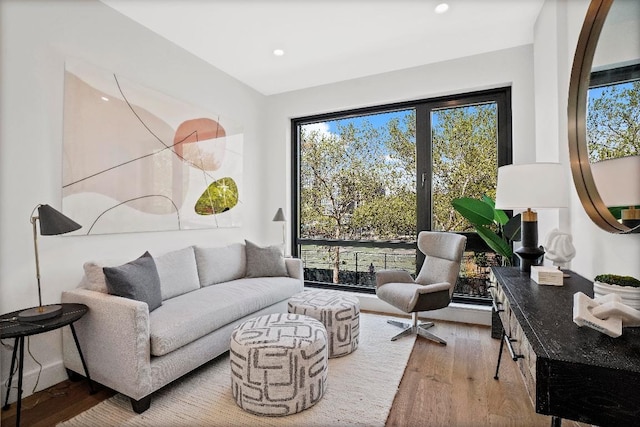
{"x": 498, "y": 215}
{"x": 616, "y": 211}
{"x": 495, "y": 242}
{"x": 511, "y": 229}
{"x": 476, "y": 211}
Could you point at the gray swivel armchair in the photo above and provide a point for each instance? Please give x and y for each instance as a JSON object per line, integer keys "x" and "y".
{"x": 432, "y": 288}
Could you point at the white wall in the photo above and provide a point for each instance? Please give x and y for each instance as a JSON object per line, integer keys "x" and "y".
{"x": 36, "y": 38}
{"x": 510, "y": 67}
{"x": 556, "y": 36}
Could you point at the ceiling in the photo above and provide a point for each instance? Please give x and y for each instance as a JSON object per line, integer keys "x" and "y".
{"x": 326, "y": 41}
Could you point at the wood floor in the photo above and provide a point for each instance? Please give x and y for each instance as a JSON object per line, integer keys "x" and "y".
{"x": 448, "y": 385}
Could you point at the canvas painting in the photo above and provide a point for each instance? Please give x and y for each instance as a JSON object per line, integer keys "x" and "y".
{"x": 137, "y": 160}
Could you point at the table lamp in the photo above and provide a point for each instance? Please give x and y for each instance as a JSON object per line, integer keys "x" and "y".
{"x": 52, "y": 223}
{"x": 527, "y": 186}
{"x": 618, "y": 183}
{"x": 279, "y": 217}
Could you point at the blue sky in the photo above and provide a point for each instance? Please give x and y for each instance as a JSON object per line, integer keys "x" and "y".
{"x": 596, "y": 92}
{"x": 378, "y": 120}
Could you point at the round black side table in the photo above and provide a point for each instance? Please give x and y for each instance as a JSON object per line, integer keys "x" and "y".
{"x": 10, "y": 327}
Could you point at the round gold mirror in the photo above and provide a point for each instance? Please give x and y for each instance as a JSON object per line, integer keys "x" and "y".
{"x": 606, "y": 69}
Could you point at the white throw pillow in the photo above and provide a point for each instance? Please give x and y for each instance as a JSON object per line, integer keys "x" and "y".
{"x": 178, "y": 272}
{"x": 220, "y": 264}
{"x": 93, "y": 278}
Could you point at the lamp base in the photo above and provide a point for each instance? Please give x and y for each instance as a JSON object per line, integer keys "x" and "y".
{"x": 42, "y": 312}
{"x": 529, "y": 252}
{"x": 528, "y": 257}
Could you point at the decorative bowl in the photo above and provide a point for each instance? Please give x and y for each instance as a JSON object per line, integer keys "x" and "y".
{"x": 630, "y": 295}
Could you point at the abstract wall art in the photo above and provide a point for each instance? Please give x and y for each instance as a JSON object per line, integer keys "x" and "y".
{"x": 138, "y": 160}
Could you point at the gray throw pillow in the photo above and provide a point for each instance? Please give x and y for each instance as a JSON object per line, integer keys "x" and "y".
{"x": 220, "y": 264}
{"x": 178, "y": 272}
{"x": 136, "y": 280}
{"x": 264, "y": 261}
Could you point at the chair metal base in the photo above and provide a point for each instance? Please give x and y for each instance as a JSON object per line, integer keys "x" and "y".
{"x": 415, "y": 328}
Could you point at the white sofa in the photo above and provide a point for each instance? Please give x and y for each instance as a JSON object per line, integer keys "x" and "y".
{"x": 206, "y": 292}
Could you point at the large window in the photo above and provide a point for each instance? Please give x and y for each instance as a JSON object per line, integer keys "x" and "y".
{"x": 367, "y": 181}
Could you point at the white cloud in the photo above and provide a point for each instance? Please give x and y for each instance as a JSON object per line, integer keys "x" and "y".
{"x": 389, "y": 159}
{"x": 322, "y": 128}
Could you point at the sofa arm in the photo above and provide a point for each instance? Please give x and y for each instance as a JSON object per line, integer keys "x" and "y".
{"x": 115, "y": 342}
{"x": 294, "y": 268}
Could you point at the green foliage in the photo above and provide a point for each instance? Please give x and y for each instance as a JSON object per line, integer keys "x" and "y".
{"x": 613, "y": 122}
{"x": 614, "y": 279}
{"x": 482, "y": 214}
{"x": 359, "y": 182}
{"x": 464, "y": 160}
{"x": 476, "y": 211}
{"x": 387, "y": 217}
{"x": 220, "y": 196}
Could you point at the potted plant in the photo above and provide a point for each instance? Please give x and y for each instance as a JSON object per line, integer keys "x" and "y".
{"x": 485, "y": 218}
{"x": 626, "y": 286}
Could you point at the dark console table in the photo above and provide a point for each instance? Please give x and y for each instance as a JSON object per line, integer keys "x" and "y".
{"x": 570, "y": 372}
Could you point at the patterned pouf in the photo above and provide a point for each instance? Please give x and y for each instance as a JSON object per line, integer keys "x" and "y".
{"x": 339, "y": 313}
{"x": 278, "y": 364}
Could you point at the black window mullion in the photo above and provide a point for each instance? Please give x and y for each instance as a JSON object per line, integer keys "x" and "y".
{"x": 423, "y": 167}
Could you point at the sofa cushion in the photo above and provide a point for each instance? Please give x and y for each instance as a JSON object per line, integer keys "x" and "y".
{"x": 136, "y": 280}
{"x": 265, "y": 261}
{"x": 220, "y": 264}
{"x": 193, "y": 315}
{"x": 178, "y": 272}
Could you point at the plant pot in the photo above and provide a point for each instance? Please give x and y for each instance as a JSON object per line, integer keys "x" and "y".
{"x": 630, "y": 294}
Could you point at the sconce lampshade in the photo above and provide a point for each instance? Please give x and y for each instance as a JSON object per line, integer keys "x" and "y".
{"x": 279, "y": 216}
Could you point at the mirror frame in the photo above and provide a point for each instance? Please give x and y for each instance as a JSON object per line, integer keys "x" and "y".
{"x": 577, "y": 111}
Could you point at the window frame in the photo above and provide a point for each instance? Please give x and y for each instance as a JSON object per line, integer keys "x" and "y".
{"x": 423, "y": 107}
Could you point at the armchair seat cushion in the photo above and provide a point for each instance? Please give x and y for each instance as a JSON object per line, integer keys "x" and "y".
{"x": 400, "y": 295}
{"x": 185, "y": 318}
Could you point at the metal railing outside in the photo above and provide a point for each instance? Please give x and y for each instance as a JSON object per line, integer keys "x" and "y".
{"x": 357, "y": 267}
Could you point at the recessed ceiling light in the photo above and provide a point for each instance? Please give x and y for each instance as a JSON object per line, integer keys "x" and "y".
{"x": 104, "y": 98}
{"x": 441, "y": 8}
{"x": 278, "y": 52}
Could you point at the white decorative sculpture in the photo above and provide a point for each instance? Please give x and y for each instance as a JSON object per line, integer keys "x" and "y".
{"x": 606, "y": 314}
{"x": 559, "y": 248}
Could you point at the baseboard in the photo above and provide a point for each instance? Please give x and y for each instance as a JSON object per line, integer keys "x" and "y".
{"x": 51, "y": 375}
{"x": 455, "y": 312}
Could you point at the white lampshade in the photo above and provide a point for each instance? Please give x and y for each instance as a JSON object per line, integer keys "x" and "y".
{"x": 533, "y": 185}
{"x": 618, "y": 180}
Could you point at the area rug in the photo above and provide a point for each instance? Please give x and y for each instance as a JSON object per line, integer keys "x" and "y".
{"x": 360, "y": 391}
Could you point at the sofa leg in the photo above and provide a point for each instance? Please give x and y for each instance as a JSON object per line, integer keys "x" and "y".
{"x": 74, "y": 376}
{"x": 139, "y": 406}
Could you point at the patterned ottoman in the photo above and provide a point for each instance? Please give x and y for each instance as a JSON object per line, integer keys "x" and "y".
{"x": 278, "y": 364}
{"x": 339, "y": 313}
